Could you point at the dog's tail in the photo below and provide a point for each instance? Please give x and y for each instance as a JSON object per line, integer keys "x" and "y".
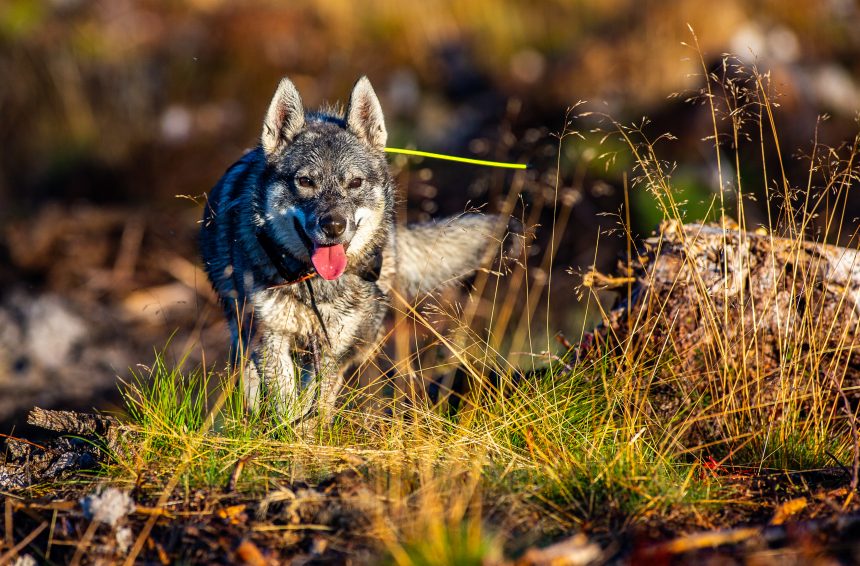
{"x": 433, "y": 254}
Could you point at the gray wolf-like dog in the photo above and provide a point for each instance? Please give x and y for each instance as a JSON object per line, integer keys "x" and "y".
{"x": 299, "y": 240}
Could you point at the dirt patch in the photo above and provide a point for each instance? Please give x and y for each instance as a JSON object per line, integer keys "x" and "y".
{"x": 57, "y": 509}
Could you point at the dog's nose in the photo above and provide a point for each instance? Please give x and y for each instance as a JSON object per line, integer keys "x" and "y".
{"x": 332, "y": 225}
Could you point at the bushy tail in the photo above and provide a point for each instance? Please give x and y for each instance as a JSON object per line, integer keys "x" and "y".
{"x": 433, "y": 254}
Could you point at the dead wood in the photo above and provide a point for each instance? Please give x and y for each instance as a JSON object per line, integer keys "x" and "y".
{"x": 71, "y": 422}
{"x": 748, "y": 319}
{"x": 87, "y": 440}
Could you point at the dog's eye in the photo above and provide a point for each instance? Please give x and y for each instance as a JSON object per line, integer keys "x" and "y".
{"x": 305, "y": 182}
{"x": 355, "y": 183}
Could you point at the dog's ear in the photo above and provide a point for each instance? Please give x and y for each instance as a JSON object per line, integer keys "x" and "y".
{"x": 286, "y": 116}
{"x": 364, "y": 115}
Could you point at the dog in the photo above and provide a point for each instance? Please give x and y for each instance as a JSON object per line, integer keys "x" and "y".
{"x": 299, "y": 240}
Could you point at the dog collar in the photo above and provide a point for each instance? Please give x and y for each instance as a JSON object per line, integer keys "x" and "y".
{"x": 290, "y": 277}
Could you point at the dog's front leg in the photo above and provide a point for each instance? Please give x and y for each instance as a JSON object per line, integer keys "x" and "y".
{"x": 330, "y": 384}
{"x": 321, "y": 383}
{"x": 291, "y": 399}
{"x": 245, "y": 358}
{"x": 251, "y": 381}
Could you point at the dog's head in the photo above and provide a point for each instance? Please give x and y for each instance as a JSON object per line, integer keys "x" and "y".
{"x": 328, "y": 193}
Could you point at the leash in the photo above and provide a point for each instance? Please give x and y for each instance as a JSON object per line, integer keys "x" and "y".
{"x": 291, "y": 277}
{"x": 316, "y": 310}
{"x": 431, "y": 155}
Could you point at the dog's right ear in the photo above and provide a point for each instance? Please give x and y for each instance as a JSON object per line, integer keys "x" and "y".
{"x": 286, "y": 116}
{"x": 364, "y": 115}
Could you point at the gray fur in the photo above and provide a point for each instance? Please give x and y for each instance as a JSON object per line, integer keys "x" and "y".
{"x": 296, "y": 359}
{"x": 438, "y": 253}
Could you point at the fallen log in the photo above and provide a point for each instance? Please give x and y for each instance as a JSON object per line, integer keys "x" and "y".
{"x": 72, "y": 422}
{"x": 27, "y": 463}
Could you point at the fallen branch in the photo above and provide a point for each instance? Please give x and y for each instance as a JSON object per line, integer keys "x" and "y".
{"x": 27, "y": 463}
{"x": 8, "y": 556}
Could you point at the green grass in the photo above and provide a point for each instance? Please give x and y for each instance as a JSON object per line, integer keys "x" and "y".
{"x": 565, "y": 443}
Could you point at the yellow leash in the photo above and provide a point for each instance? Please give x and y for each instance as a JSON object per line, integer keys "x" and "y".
{"x": 455, "y": 158}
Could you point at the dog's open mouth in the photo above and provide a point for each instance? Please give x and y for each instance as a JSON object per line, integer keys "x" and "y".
{"x": 329, "y": 261}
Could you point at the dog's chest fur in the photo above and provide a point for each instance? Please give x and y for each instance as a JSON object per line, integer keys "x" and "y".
{"x": 349, "y": 310}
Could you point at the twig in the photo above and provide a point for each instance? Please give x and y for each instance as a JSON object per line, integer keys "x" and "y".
{"x": 842, "y": 466}
{"x": 24, "y": 440}
{"x": 53, "y": 506}
{"x": 855, "y": 436}
{"x": 10, "y": 540}
{"x": 704, "y": 540}
{"x": 548, "y": 355}
{"x": 237, "y": 472}
{"x": 81, "y": 424}
{"x": 156, "y": 511}
{"x": 300, "y": 527}
{"x": 84, "y": 543}
{"x": 129, "y": 248}
{"x": 51, "y": 534}
{"x": 7, "y": 558}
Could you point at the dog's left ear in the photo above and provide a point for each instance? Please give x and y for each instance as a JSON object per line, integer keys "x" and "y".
{"x": 364, "y": 115}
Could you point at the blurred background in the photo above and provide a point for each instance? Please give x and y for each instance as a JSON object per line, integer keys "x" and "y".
{"x": 117, "y": 116}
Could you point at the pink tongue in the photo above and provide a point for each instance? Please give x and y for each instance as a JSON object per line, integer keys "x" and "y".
{"x": 329, "y": 261}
